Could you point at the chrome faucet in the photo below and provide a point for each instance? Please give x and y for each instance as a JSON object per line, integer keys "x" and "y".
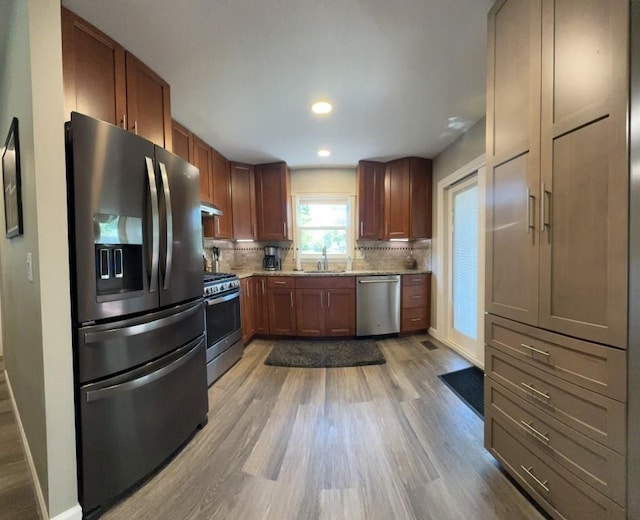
{"x": 325, "y": 261}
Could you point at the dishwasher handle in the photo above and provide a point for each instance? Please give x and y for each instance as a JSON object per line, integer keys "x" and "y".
{"x": 378, "y": 281}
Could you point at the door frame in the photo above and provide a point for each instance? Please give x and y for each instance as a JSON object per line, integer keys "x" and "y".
{"x": 440, "y": 247}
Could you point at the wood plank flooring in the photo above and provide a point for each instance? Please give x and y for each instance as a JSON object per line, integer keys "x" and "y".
{"x": 385, "y": 442}
{"x": 17, "y": 496}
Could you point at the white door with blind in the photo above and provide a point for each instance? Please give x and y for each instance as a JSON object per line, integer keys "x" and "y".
{"x": 463, "y": 289}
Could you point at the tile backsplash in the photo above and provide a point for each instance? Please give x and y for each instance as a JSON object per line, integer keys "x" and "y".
{"x": 247, "y": 256}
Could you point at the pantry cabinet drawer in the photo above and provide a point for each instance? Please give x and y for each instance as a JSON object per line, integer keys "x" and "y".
{"x": 558, "y": 490}
{"x": 414, "y": 296}
{"x": 414, "y": 279}
{"x": 596, "y": 416}
{"x": 600, "y": 467}
{"x": 589, "y": 365}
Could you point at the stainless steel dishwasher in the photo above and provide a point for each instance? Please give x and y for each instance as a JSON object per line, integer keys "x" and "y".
{"x": 377, "y": 305}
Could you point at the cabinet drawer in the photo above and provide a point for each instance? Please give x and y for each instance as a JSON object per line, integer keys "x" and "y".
{"x": 414, "y": 319}
{"x": 414, "y": 296}
{"x": 596, "y": 416}
{"x": 598, "y": 466}
{"x": 414, "y": 279}
{"x": 325, "y": 282}
{"x": 591, "y": 366}
{"x": 281, "y": 281}
{"x": 559, "y": 491}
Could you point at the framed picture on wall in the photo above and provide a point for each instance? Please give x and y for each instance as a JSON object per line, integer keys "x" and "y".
{"x": 11, "y": 182}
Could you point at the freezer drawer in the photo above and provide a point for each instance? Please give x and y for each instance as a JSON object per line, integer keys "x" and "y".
{"x": 114, "y": 347}
{"x": 132, "y": 423}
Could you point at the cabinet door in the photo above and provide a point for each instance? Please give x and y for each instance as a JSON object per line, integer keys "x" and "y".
{"x": 182, "y": 140}
{"x": 420, "y": 204}
{"x": 396, "y": 199}
{"x": 261, "y": 305}
{"x": 93, "y": 71}
{"x": 243, "y": 201}
{"x": 370, "y": 181}
{"x": 310, "y": 312}
{"x": 148, "y": 103}
{"x": 513, "y": 160}
{"x": 202, "y": 161}
{"x": 583, "y": 243}
{"x": 273, "y": 202}
{"x": 340, "y": 312}
{"x": 282, "y": 314}
{"x": 221, "y": 186}
{"x": 247, "y": 309}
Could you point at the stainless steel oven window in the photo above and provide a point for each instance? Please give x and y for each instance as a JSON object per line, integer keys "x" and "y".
{"x": 223, "y": 316}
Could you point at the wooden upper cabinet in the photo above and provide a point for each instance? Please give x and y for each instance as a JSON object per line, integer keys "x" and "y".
{"x": 148, "y": 103}
{"x": 407, "y": 202}
{"x": 182, "y": 139}
{"x": 273, "y": 201}
{"x": 104, "y": 81}
{"x": 585, "y": 170}
{"x": 243, "y": 201}
{"x": 513, "y": 160}
{"x": 221, "y": 186}
{"x": 93, "y": 71}
{"x": 370, "y": 185}
{"x": 201, "y": 159}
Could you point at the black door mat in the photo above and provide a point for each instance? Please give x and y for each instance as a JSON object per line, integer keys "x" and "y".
{"x": 468, "y": 385}
{"x": 429, "y": 345}
{"x": 325, "y": 354}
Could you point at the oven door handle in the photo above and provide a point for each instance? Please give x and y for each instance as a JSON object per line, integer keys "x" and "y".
{"x": 225, "y": 298}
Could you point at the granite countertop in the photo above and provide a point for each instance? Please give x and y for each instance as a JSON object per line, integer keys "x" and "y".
{"x": 245, "y": 274}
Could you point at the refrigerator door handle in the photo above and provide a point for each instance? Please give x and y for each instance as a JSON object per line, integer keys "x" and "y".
{"x": 155, "y": 225}
{"x": 128, "y": 386}
{"x": 168, "y": 261}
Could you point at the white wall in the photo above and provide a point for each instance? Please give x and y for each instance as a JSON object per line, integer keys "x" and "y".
{"x": 36, "y": 315}
{"x": 323, "y": 181}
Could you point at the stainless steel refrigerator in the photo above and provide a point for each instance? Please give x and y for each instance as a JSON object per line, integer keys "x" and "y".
{"x": 136, "y": 272}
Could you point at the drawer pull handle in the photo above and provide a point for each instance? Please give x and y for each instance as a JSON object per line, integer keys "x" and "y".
{"x": 543, "y": 436}
{"x": 533, "y": 349}
{"x": 536, "y": 391}
{"x": 543, "y": 485}
{"x": 416, "y": 319}
{"x": 416, "y": 297}
{"x": 280, "y": 283}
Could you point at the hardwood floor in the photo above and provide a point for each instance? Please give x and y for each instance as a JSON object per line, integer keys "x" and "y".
{"x": 377, "y": 443}
{"x": 17, "y": 496}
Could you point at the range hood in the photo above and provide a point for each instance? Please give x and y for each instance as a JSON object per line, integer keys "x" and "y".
{"x": 209, "y": 209}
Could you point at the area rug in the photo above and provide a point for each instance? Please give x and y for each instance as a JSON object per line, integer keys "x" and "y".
{"x": 468, "y": 385}
{"x": 325, "y": 354}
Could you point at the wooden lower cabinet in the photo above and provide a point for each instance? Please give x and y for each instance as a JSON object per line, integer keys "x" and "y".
{"x": 261, "y": 310}
{"x": 415, "y": 314}
{"x": 282, "y": 310}
{"x": 247, "y": 309}
{"x": 325, "y": 306}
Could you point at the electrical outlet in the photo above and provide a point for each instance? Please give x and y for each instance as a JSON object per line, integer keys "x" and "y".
{"x": 29, "y": 267}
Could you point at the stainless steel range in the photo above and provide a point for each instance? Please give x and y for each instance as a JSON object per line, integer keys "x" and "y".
{"x": 223, "y": 323}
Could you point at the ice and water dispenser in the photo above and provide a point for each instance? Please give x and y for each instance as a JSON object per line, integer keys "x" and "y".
{"x": 118, "y": 254}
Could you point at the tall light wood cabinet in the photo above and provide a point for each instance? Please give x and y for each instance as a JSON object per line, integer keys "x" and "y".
{"x": 557, "y": 249}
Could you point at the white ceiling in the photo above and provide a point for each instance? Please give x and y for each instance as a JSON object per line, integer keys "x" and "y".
{"x": 406, "y": 77}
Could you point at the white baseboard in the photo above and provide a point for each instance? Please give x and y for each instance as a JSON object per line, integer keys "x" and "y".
{"x": 73, "y": 513}
{"x": 434, "y": 332}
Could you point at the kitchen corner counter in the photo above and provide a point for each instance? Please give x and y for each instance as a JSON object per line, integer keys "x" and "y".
{"x": 368, "y": 272}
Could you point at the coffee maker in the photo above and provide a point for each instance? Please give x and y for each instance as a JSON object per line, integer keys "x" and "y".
{"x": 271, "y": 260}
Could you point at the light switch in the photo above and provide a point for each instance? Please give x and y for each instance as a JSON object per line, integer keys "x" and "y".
{"x": 29, "y": 268}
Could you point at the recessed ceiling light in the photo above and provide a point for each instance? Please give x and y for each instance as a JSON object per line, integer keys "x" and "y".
{"x": 323, "y": 152}
{"x": 321, "y": 107}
